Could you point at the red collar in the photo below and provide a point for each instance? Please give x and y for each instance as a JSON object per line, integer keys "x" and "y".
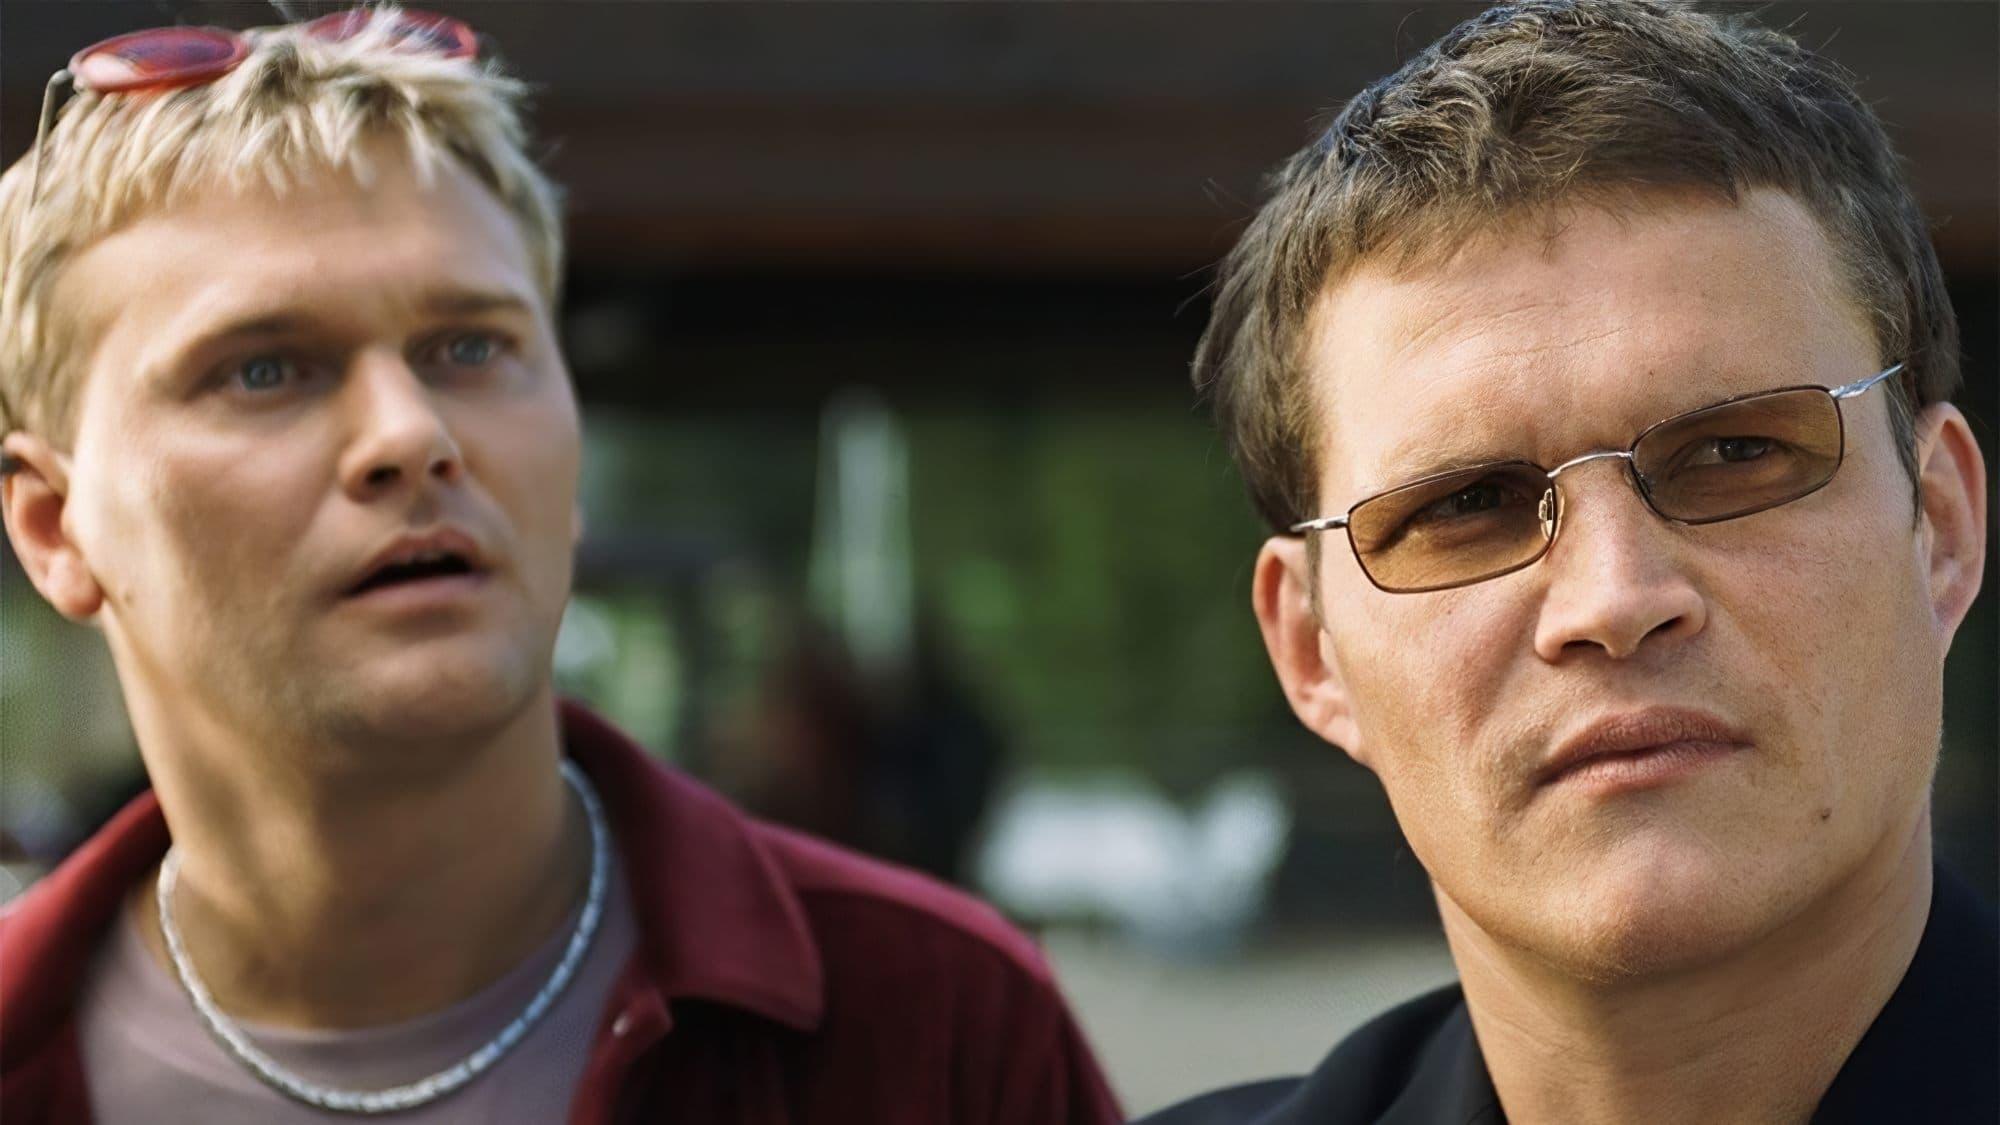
{"x": 718, "y": 917}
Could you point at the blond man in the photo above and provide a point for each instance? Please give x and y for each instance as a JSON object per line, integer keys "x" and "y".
{"x": 286, "y": 420}
{"x": 1593, "y": 373}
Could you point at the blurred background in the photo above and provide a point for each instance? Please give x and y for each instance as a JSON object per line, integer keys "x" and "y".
{"x": 903, "y": 524}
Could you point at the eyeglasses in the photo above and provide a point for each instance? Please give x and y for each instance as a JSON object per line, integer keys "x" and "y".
{"x": 166, "y": 58}
{"x": 1735, "y": 458}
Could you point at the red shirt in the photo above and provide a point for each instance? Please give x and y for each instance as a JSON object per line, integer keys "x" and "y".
{"x": 778, "y": 979}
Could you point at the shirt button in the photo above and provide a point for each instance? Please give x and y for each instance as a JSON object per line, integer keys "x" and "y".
{"x": 623, "y": 1025}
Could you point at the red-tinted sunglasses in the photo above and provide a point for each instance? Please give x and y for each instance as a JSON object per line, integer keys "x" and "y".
{"x": 165, "y": 58}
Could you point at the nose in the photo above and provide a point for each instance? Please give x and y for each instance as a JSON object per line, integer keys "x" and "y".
{"x": 399, "y": 439}
{"x": 1614, "y": 583}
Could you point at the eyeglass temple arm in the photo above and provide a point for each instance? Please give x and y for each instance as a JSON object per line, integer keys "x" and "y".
{"x": 59, "y": 78}
{"x": 1860, "y": 385}
{"x": 9, "y": 464}
{"x": 1329, "y": 523}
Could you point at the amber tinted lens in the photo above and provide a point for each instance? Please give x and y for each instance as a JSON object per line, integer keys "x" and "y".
{"x": 1452, "y": 529}
{"x": 1741, "y": 457}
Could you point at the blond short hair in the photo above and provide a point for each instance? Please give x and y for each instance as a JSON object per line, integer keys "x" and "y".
{"x": 295, "y": 107}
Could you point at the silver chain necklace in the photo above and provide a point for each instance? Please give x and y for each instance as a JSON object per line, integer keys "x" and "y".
{"x": 444, "y": 1081}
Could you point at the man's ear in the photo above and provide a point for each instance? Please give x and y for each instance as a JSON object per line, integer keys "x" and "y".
{"x": 1281, "y": 593}
{"x": 32, "y": 499}
{"x": 1951, "y": 487}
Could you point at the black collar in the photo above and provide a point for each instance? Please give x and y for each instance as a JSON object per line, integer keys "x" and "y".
{"x": 1931, "y": 1056}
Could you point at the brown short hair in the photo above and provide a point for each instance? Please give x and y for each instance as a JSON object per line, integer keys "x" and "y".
{"x": 1546, "y": 101}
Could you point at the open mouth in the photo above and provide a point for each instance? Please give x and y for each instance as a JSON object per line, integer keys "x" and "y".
{"x": 423, "y": 568}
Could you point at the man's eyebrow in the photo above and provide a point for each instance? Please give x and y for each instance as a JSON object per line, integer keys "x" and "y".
{"x": 258, "y": 326}
{"x": 254, "y": 326}
{"x": 1413, "y": 463}
{"x": 473, "y": 302}
{"x": 438, "y": 302}
{"x": 268, "y": 325}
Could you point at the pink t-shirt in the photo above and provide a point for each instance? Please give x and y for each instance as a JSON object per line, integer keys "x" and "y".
{"x": 149, "y": 1058}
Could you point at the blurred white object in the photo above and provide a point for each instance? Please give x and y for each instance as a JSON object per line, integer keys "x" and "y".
{"x": 1113, "y": 847}
{"x": 861, "y": 569}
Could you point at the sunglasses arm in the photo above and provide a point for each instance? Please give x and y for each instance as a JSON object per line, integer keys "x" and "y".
{"x": 57, "y": 80}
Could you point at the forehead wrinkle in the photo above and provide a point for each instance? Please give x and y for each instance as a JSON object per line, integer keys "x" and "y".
{"x": 1469, "y": 400}
{"x": 1445, "y": 440}
{"x": 1545, "y": 348}
{"x": 1425, "y": 451}
{"x": 1422, "y": 339}
{"x": 1448, "y": 321}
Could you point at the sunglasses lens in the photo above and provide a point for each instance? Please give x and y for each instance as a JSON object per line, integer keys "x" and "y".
{"x": 408, "y": 29}
{"x": 1453, "y": 529}
{"x": 1741, "y": 457}
{"x": 166, "y": 56}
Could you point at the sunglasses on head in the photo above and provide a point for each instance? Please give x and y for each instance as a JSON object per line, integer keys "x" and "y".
{"x": 167, "y": 58}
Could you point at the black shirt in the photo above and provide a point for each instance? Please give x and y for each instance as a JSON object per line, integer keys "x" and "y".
{"x": 1931, "y": 1056}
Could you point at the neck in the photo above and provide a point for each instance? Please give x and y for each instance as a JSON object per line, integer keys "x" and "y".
{"x": 374, "y": 892}
{"x": 1757, "y": 1035}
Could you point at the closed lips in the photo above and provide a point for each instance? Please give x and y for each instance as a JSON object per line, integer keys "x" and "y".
{"x": 1639, "y": 732}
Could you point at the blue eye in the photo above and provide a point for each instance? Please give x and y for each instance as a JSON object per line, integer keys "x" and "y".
{"x": 264, "y": 373}
{"x": 474, "y": 349}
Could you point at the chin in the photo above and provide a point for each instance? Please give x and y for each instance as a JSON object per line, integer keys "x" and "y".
{"x": 1663, "y": 910}
{"x": 433, "y": 698}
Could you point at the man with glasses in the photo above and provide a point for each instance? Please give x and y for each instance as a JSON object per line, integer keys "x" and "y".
{"x": 1592, "y": 372}
{"x": 285, "y": 419}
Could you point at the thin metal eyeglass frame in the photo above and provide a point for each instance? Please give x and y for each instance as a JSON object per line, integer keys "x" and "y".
{"x": 1552, "y": 518}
